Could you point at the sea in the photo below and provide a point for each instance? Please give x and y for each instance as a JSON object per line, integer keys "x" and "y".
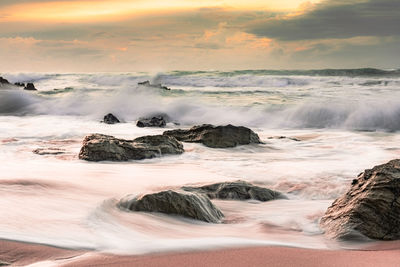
{"x": 320, "y": 129}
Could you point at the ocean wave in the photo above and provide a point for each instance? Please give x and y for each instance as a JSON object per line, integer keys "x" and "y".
{"x": 30, "y": 77}
{"x": 17, "y": 102}
{"x": 318, "y": 72}
{"x": 367, "y": 116}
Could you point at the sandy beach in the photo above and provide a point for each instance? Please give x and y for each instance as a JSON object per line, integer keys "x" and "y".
{"x": 22, "y": 254}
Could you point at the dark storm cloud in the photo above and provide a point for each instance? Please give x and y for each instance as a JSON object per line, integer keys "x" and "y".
{"x": 335, "y": 19}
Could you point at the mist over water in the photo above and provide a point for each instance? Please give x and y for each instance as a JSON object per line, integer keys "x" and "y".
{"x": 341, "y": 102}
{"x": 346, "y": 121}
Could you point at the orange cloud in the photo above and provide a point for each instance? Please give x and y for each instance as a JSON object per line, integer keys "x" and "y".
{"x": 86, "y": 10}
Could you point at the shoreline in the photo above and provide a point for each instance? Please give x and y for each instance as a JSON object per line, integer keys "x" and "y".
{"x": 20, "y": 253}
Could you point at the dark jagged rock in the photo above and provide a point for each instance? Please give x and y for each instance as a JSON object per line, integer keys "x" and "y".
{"x": 30, "y": 87}
{"x": 110, "y": 119}
{"x": 371, "y": 208}
{"x": 239, "y": 190}
{"x": 216, "y": 136}
{"x": 19, "y": 84}
{"x": 186, "y": 204}
{"x": 157, "y": 121}
{"x": 158, "y": 86}
{"x": 4, "y": 81}
{"x": 98, "y": 147}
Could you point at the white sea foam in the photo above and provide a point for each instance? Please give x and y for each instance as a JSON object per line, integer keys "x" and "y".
{"x": 62, "y": 201}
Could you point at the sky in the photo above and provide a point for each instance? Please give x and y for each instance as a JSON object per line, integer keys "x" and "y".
{"x": 156, "y": 35}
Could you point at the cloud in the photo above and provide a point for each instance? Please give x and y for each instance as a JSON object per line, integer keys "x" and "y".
{"x": 334, "y": 19}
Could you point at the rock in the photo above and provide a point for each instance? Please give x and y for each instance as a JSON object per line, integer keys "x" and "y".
{"x": 285, "y": 137}
{"x": 216, "y": 136}
{"x": 186, "y": 204}
{"x": 371, "y": 208}
{"x": 158, "y": 86}
{"x": 98, "y": 147}
{"x": 49, "y": 151}
{"x": 157, "y": 121}
{"x": 4, "y": 81}
{"x": 239, "y": 190}
{"x": 19, "y": 84}
{"x": 30, "y": 87}
{"x": 4, "y": 263}
{"x": 110, "y": 119}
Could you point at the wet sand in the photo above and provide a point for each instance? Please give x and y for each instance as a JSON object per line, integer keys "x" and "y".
{"x": 19, "y": 254}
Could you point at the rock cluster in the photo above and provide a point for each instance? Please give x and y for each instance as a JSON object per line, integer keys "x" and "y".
{"x": 216, "y": 136}
{"x": 371, "y": 208}
{"x": 239, "y": 190}
{"x": 191, "y": 205}
{"x": 99, "y": 147}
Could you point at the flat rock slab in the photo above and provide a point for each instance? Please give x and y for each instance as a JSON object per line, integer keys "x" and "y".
{"x": 186, "y": 204}
{"x": 239, "y": 190}
{"x": 371, "y": 208}
{"x": 98, "y": 147}
{"x": 216, "y": 136}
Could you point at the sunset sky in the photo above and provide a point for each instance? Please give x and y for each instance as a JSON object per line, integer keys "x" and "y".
{"x": 155, "y": 35}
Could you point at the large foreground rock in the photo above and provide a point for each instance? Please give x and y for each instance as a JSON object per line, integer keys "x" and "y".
{"x": 216, "y": 136}
{"x": 371, "y": 208}
{"x": 98, "y": 147}
{"x": 239, "y": 190}
{"x": 156, "y": 121}
{"x": 186, "y": 204}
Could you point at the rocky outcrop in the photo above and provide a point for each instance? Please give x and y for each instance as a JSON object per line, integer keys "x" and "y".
{"x": 4, "y": 81}
{"x": 216, "y": 136}
{"x": 157, "y": 121}
{"x": 110, "y": 119}
{"x": 186, "y": 204}
{"x": 371, "y": 208}
{"x": 239, "y": 190}
{"x": 30, "y": 87}
{"x": 98, "y": 147}
{"x": 158, "y": 86}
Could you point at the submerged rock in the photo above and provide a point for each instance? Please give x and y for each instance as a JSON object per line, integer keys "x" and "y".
{"x": 186, "y": 204}
{"x": 49, "y": 151}
{"x": 239, "y": 190}
{"x": 158, "y": 86}
{"x": 98, "y": 147}
{"x": 157, "y": 121}
{"x": 216, "y": 136}
{"x": 371, "y": 208}
{"x": 110, "y": 119}
{"x": 30, "y": 87}
{"x": 285, "y": 137}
